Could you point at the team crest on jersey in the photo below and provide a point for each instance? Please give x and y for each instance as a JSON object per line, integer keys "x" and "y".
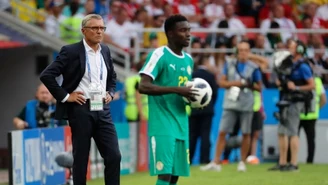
{"x": 159, "y": 165}
{"x": 189, "y": 70}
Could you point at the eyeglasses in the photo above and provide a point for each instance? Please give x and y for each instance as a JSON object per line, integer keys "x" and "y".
{"x": 95, "y": 28}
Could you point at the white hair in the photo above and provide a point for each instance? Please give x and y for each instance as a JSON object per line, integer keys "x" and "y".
{"x": 87, "y": 18}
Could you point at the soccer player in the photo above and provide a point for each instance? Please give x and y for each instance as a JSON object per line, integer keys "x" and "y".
{"x": 163, "y": 79}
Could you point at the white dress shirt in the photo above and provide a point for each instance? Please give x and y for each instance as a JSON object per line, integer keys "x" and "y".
{"x": 284, "y": 23}
{"x": 94, "y": 59}
{"x": 234, "y": 24}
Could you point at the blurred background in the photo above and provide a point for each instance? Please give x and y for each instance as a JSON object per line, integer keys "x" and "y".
{"x": 33, "y": 31}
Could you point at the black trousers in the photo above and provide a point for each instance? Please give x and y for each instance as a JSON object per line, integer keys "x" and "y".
{"x": 200, "y": 127}
{"x": 309, "y": 128}
{"x": 84, "y": 125}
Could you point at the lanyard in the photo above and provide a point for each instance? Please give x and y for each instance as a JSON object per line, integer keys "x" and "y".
{"x": 89, "y": 68}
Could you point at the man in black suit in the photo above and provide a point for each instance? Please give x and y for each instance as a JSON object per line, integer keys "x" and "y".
{"x": 89, "y": 82}
{"x": 200, "y": 121}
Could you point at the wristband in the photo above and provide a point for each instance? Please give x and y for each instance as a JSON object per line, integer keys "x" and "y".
{"x": 297, "y": 88}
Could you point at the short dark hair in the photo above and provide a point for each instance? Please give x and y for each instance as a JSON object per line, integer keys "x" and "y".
{"x": 274, "y": 24}
{"x": 195, "y": 40}
{"x": 170, "y": 22}
{"x": 223, "y": 24}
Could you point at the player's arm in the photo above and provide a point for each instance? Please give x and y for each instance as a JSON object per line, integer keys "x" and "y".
{"x": 146, "y": 86}
{"x": 151, "y": 71}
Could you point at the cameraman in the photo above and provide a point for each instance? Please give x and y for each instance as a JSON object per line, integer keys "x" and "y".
{"x": 38, "y": 112}
{"x": 296, "y": 89}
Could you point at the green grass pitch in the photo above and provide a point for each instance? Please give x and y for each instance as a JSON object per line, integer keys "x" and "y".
{"x": 255, "y": 175}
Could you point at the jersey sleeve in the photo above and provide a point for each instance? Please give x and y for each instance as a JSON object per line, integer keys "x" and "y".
{"x": 153, "y": 65}
{"x": 257, "y": 76}
{"x": 305, "y": 71}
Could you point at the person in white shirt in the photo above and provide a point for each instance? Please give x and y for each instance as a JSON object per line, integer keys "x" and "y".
{"x": 5, "y": 6}
{"x": 322, "y": 12}
{"x": 235, "y": 25}
{"x": 284, "y": 23}
{"x": 52, "y": 22}
{"x": 120, "y": 31}
{"x": 214, "y": 10}
{"x": 191, "y": 12}
{"x": 155, "y": 8}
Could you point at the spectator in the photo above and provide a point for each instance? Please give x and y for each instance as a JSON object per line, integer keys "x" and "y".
{"x": 70, "y": 27}
{"x": 319, "y": 62}
{"x": 155, "y": 8}
{"x": 38, "y": 112}
{"x": 284, "y": 23}
{"x": 214, "y": 11}
{"x": 233, "y": 22}
{"x": 132, "y": 7}
{"x": 157, "y": 22}
{"x": 136, "y": 109}
{"x": 51, "y": 24}
{"x": 153, "y": 40}
{"x": 310, "y": 10}
{"x": 322, "y": 12}
{"x": 115, "y": 6}
{"x": 140, "y": 20}
{"x": 213, "y": 38}
{"x": 190, "y": 11}
{"x": 196, "y": 44}
{"x": 266, "y": 11}
{"x": 274, "y": 38}
{"x": 168, "y": 10}
{"x": 306, "y": 24}
{"x": 67, "y": 11}
{"x": 232, "y": 44}
{"x": 102, "y": 7}
{"x": 262, "y": 44}
{"x": 120, "y": 30}
{"x": 89, "y": 8}
{"x": 313, "y": 41}
{"x": 250, "y": 7}
{"x": 5, "y": 6}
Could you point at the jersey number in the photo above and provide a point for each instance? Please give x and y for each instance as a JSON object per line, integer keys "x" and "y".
{"x": 182, "y": 80}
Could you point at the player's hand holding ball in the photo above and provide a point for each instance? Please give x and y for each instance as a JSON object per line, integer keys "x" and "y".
{"x": 203, "y": 95}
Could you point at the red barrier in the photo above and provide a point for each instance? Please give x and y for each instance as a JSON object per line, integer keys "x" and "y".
{"x": 143, "y": 147}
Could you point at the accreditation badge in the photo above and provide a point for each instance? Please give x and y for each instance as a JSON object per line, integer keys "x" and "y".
{"x": 96, "y": 97}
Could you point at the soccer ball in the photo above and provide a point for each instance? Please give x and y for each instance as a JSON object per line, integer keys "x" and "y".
{"x": 252, "y": 160}
{"x": 204, "y": 93}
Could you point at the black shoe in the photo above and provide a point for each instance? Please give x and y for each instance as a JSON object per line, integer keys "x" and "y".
{"x": 277, "y": 167}
{"x": 290, "y": 168}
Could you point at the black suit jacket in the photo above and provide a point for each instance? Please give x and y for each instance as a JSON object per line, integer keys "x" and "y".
{"x": 210, "y": 78}
{"x": 71, "y": 63}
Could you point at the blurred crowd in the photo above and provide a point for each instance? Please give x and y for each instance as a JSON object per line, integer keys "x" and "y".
{"x": 126, "y": 19}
